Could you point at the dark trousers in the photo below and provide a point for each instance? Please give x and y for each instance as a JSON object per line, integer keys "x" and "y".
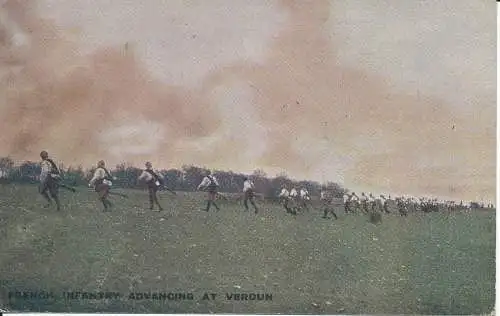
{"x": 249, "y": 196}
{"x": 153, "y": 199}
{"x": 103, "y": 193}
{"x": 50, "y": 186}
{"x": 212, "y": 195}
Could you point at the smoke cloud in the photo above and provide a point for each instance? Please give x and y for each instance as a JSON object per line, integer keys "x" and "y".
{"x": 297, "y": 110}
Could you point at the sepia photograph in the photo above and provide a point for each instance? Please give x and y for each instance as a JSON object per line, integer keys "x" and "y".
{"x": 248, "y": 156}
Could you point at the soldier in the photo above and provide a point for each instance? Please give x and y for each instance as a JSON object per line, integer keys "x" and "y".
{"x": 102, "y": 182}
{"x": 372, "y": 203}
{"x": 326, "y": 198}
{"x": 304, "y": 198}
{"x": 49, "y": 180}
{"x": 284, "y": 197}
{"x": 403, "y": 209}
{"x": 364, "y": 202}
{"x": 385, "y": 203}
{"x": 293, "y": 198}
{"x": 210, "y": 184}
{"x": 348, "y": 201}
{"x": 249, "y": 193}
{"x": 154, "y": 183}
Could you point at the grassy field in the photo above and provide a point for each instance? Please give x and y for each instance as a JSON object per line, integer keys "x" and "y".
{"x": 424, "y": 263}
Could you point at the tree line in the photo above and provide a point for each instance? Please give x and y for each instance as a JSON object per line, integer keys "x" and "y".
{"x": 185, "y": 179}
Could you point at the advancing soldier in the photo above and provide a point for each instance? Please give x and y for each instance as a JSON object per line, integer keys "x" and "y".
{"x": 304, "y": 198}
{"x": 101, "y": 181}
{"x": 210, "y": 184}
{"x": 373, "y": 203}
{"x": 154, "y": 183}
{"x": 284, "y": 197}
{"x": 385, "y": 204}
{"x": 294, "y": 198}
{"x": 49, "y": 180}
{"x": 364, "y": 202}
{"x": 326, "y": 198}
{"x": 402, "y": 207}
{"x": 249, "y": 192}
{"x": 349, "y": 199}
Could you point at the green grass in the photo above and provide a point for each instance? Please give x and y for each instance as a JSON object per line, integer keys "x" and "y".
{"x": 424, "y": 263}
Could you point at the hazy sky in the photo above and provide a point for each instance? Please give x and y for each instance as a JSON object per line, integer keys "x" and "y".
{"x": 387, "y": 96}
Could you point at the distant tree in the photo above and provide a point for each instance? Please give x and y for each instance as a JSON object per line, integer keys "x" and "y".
{"x": 6, "y": 166}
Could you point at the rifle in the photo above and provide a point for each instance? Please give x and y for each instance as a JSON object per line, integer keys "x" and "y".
{"x": 169, "y": 190}
{"x": 123, "y": 195}
{"x": 67, "y": 187}
{"x": 222, "y": 196}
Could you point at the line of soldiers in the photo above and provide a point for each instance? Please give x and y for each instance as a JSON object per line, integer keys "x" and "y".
{"x": 102, "y": 181}
{"x": 292, "y": 201}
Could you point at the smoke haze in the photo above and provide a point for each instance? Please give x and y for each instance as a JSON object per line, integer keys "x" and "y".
{"x": 226, "y": 90}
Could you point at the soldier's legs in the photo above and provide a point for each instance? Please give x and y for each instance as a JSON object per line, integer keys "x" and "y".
{"x": 333, "y": 213}
{"x": 285, "y": 205}
{"x": 43, "y": 188}
{"x": 54, "y": 193}
{"x": 245, "y": 202}
{"x": 153, "y": 198}
{"x": 103, "y": 192}
{"x": 254, "y": 205}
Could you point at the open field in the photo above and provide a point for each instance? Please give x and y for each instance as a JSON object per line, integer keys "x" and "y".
{"x": 424, "y": 263}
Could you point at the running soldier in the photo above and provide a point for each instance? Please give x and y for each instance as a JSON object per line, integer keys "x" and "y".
{"x": 348, "y": 201}
{"x": 154, "y": 183}
{"x": 326, "y": 198}
{"x": 304, "y": 198}
{"x": 294, "y": 198}
{"x": 385, "y": 203}
{"x": 364, "y": 202}
{"x": 284, "y": 197}
{"x": 373, "y": 203}
{"x": 210, "y": 184}
{"x": 49, "y": 180}
{"x": 101, "y": 181}
{"x": 402, "y": 207}
{"x": 249, "y": 192}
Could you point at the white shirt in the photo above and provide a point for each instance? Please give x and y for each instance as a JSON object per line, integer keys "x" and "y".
{"x": 206, "y": 182}
{"x": 304, "y": 193}
{"x": 46, "y": 168}
{"x": 284, "y": 193}
{"x": 147, "y": 177}
{"x": 293, "y": 193}
{"x": 248, "y": 185}
{"x": 99, "y": 174}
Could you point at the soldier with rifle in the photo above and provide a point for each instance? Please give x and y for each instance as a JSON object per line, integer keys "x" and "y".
{"x": 154, "y": 183}
{"x": 364, "y": 202}
{"x": 49, "y": 180}
{"x": 284, "y": 197}
{"x": 249, "y": 192}
{"x": 210, "y": 184}
{"x": 348, "y": 200}
{"x": 101, "y": 181}
{"x": 385, "y": 204}
{"x": 326, "y": 198}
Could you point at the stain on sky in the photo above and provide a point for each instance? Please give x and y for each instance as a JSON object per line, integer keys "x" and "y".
{"x": 298, "y": 110}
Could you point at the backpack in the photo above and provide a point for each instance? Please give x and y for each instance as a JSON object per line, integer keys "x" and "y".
{"x": 156, "y": 178}
{"x": 54, "y": 170}
{"x": 212, "y": 184}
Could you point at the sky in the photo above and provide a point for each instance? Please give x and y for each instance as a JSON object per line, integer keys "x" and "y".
{"x": 381, "y": 96}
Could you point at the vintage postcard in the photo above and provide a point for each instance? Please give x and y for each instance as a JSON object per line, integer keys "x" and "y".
{"x": 248, "y": 157}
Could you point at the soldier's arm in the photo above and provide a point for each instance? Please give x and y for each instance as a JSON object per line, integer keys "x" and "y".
{"x": 142, "y": 176}
{"x": 98, "y": 174}
{"x": 44, "y": 171}
{"x": 203, "y": 183}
